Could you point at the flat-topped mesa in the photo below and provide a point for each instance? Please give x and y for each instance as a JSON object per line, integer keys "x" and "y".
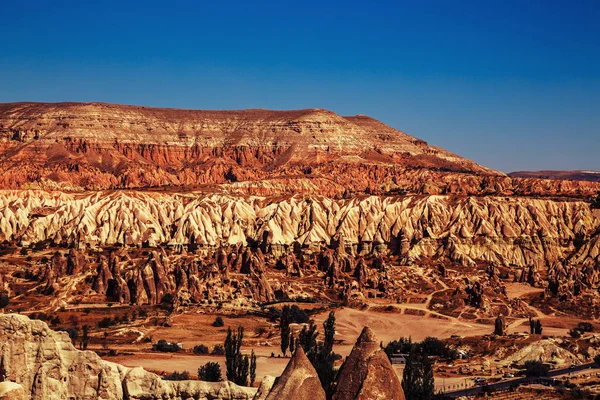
{"x": 298, "y": 381}
{"x": 367, "y": 373}
{"x": 96, "y": 145}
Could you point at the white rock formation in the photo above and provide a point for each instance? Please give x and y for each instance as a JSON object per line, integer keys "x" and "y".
{"x": 46, "y": 366}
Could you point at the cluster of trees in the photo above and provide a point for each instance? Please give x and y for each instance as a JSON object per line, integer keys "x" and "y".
{"x": 430, "y": 346}
{"x": 238, "y": 366}
{"x": 295, "y": 314}
{"x": 319, "y": 353}
{"x": 166, "y": 347}
{"x": 580, "y": 329}
{"x": 417, "y": 378}
{"x": 289, "y": 315}
{"x": 535, "y": 326}
{"x": 53, "y": 320}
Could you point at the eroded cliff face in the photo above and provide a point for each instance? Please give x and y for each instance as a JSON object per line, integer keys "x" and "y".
{"x": 48, "y": 367}
{"x": 516, "y": 232}
{"x": 100, "y": 146}
{"x": 95, "y": 146}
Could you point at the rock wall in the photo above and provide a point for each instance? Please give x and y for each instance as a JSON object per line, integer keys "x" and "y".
{"x": 47, "y": 367}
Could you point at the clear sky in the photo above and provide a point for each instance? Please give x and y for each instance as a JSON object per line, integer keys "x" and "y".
{"x": 510, "y": 84}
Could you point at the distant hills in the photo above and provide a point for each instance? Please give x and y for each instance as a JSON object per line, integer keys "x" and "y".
{"x": 575, "y": 175}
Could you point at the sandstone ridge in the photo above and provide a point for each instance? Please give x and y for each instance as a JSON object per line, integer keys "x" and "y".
{"x": 47, "y": 366}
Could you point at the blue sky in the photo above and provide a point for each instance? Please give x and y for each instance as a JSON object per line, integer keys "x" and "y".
{"x": 510, "y": 84}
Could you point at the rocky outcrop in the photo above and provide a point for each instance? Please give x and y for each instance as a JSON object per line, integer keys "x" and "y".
{"x": 12, "y": 391}
{"x": 367, "y": 373}
{"x": 516, "y": 232}
{"x": 298, "y": 381}
{"x": 47, "y": 367}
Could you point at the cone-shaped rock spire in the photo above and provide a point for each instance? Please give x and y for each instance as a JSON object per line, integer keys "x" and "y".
{"x": 299, "y": 381}
{"x": 367, "y": 373}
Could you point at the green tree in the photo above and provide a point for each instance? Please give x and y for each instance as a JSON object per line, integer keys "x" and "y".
{"x": 499, "y": 326}
{"x": 531, "y": 326}
{"x": 428, "y": 384}
{"x": 292, "y": 344}
{"x": 237, "y": 365}
{"x": 4, "y": 300}
{"x": 252, "y": 368}
{"x": 85, "y": 339}
{"x": 307, "y": 338}
{"x": 325, "y": 357}
{"x": 536, "y": 369}
{"x": 538, "y": 327}
{"x": 285, "y": 329}
{"x": 210, "y": 372}
{"x": 411, "y": 377}
{"x": 417, "y": 378}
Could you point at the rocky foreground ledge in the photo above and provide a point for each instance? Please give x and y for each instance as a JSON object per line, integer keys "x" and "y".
{"x": 38, "y": 363}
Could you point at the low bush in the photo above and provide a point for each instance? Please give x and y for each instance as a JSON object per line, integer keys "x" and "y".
{"x": 210, "y": 372}
{"x": 177, "y": 376}
{"x": 200, "y": 349}
{"x": 165, "y": 347}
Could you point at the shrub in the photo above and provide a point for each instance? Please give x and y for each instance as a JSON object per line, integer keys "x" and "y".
{"x": 218, "y": 350}
{"x": 535, "y": 369}
{"x": 177, "y": 376}
{"x": 106, "y": 322}
{"x": 218, "y": 322}
{"x": 273, "y": 313}
{"x": 298, "y": 315}
{"x": 260, "y": 330}
{"x": 210, "y": 372}
{"x": 585, "y": 327}
{"x": 165, "y": 347}
{"x": 200, "y": 349}
{"x": 4, "y": 300}
{"x": 167, "y": 298}
{"x": 40, "y": 316}
{"x": 73, "y": 333}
